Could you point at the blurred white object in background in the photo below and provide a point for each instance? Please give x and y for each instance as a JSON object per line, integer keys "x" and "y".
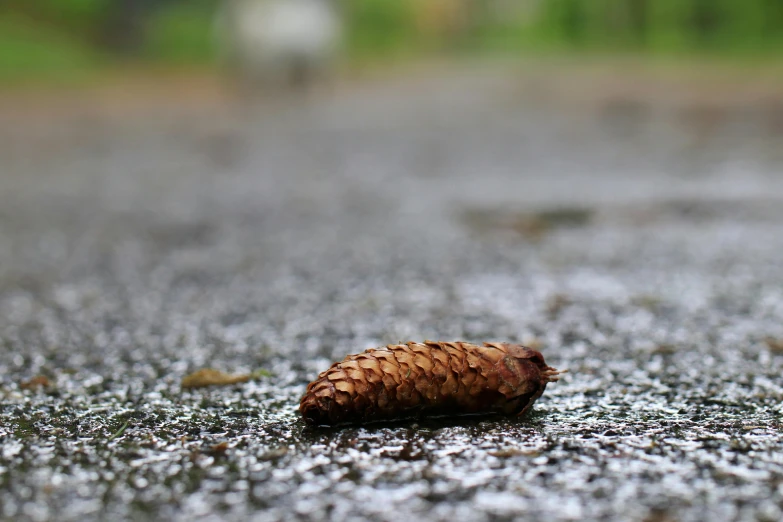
{"x": 279, "y": 43}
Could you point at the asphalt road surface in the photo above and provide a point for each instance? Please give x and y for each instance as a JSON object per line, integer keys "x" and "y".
{"x": 638, "y": 246}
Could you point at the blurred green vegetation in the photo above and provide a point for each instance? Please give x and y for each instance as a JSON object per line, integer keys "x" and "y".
{"x": 33, "y": 50}
{"x": 72, "y": 38}
{"x": 379, "y": 28}
{"x": 664, "y": 26}
{"x": 180, "y": 33}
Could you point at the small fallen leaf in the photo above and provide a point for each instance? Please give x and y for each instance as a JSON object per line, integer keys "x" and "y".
{"x": 512, "y": 452}
{"x": 532, "y": 225}
{"x": 261, "y": 372}
{"x": 39, "y": 381}
{"x": 218, "y": 450}
{"x": 775, "y": 345}
{"x": 646, "y": 301}
{"x": 556, "y": 304}
{"x": 119, "y": 432}
{"x": 665, "y": 349}
{"x": 659, "y": 515}
{"x": 211, "y": 377}
{"x": 535, "y": 225}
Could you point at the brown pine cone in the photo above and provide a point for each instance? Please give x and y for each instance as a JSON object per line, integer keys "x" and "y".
{"x": 430, "y": 378}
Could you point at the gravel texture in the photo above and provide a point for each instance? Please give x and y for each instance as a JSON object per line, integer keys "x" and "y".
{"x": 639, "y": 248}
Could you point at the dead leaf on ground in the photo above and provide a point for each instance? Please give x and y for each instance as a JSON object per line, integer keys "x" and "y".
{"x": 513, "y": 452}
{"x": 775, "y": 345}
{"x": 659, "y": 515}
{"x": 211, "y": 377}
{"x": 556, "y": 304}
{"x": 261, "y": 372}
{"x": 217, "y": 450}
{"x": 646, "y": 301}
{"x": 39, "y": 381}
{"x": 530, "y": 227}
{"x": 533, "y": 225}
{"x": 665, "y": 349}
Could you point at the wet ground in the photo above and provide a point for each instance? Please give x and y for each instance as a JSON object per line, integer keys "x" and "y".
{"x": 638, "y": 246}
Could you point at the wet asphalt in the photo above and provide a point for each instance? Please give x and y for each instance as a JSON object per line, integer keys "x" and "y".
{"x": 634, "y": 245}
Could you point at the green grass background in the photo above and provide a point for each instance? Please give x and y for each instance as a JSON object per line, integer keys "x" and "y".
{"x": 59, "y": 39}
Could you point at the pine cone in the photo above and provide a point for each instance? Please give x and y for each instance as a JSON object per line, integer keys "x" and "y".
{"x": 430, "y": 378}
